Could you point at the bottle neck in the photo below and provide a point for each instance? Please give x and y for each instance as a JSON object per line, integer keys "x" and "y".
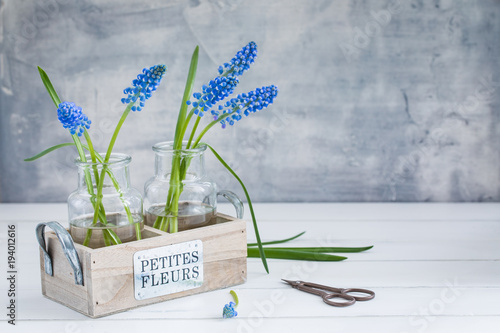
{"x": 114, "y": 176}
{"x": 190, "y": 163}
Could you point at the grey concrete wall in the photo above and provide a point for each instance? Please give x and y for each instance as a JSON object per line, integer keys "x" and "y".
{"x": 381, "y": 100}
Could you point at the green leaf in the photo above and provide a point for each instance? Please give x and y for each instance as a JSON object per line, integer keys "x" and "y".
{"x": 48, "y": 150}
{"x": 324, "y": 249}
{"x": 278, "y": 241}
{"x": 293, "y": 255}
{"x": 188, "y": 90}
{"x": 254, "y": 220}
{"x": 50, "y": 88}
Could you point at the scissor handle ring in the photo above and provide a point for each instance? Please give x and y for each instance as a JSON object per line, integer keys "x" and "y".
{"x": 370, "y": 293}
{"x": 350, "y": 299}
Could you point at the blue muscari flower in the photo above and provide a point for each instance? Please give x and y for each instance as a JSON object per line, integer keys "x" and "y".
{"x": 229, "y": 310}
{"x": 143, "y": 87}
{"x": 216, "y": 90}
{"x": 72, "y": 118}
{"x": 223, "y": 86}
{"x": 245, "y": 104}
{"x": 241, "y": 61}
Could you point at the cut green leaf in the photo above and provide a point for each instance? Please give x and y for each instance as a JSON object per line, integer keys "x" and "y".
{"x": 278, "y": 241}
{"x": 324, "y": 249}
{"x": 293, "y": 255}
{"x": 261, "y": 252}
{"x": 48, "y": 150}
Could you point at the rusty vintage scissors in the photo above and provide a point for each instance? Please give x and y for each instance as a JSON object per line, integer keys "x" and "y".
{"x": 327, "y": 293}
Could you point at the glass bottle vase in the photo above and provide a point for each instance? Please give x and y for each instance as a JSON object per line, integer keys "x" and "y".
{"x": 181, "y": 196}
{"x": 105, "y": 186}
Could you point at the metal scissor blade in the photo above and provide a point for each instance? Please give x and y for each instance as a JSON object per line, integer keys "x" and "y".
{"x": 294, "y": 284}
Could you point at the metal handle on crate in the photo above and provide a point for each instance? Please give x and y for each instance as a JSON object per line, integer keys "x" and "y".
{"x": 67, "y": 245}
{"x": 233, "y": 198}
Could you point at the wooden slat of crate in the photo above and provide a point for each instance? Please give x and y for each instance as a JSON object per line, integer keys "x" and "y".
{"x": 61, "y": 286}
{"x": 108, "y": 272}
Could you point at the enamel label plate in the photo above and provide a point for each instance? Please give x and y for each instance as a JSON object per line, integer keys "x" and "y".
{"x": 168, "y": 269}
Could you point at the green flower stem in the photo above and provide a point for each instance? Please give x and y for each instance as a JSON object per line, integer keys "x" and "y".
{"x": 98, "y": 209}
{"x": 102, "y": 214}
{"x": 235, "y": 297}
{"x": 179, "y": 169}
{"x": 195, "y": 126}
{"x": 91, "y": 192}
{"x": 172, "y": 203}
{"x": 55, "y": 98}
{"x": 158, "y": 222}
{"x": 174, "y": 210}
{"x": 100, "y": 182}
{"x": 186, "y": 124}
{"x": 109, "y": 235}
{"x": 88, "y": 236}
{"x": 209, "y": 126}
{"x": 175, "y": 189}
{"x": 117, "y": 130}
{"x": 107, "y": 239}
{"x": 92, "y": 154}
{"x": 179, "y": 166}
{"x": 125, "y": 206}
{"x": 100, "y": 179}
{"x": 88, "y": 179}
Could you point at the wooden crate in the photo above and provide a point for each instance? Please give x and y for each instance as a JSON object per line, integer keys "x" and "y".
{"x": 108, "y": 273}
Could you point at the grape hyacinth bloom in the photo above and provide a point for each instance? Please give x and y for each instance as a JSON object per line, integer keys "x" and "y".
{"x": 229, "y": 310}
{"x": 143, "y": 87}
{"x": 72, "y": 118}
{"x": 216, "y": 90}
{"x": 245, "y": 104}
{"x": 241, "y": 61}
{"x": 223, "y": 86}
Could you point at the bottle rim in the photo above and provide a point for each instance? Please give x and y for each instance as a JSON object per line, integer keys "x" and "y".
{"x": 167, "y": 147}
{"x": 115, "y": 159}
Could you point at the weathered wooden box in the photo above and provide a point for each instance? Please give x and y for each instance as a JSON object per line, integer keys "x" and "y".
{"x": 108, "y": 273}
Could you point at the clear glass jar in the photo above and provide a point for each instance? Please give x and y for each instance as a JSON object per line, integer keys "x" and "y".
{"x": 119, "y": 218}
{"x": 181, "y": 196}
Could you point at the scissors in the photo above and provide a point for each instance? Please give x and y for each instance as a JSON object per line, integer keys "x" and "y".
{"x": 328, "y": 293}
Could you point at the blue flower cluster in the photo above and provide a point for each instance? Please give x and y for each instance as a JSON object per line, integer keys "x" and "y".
{"x": 244, "y": 104}
{"x": 72, "y": 118}
{"x": 216, "y": 90}
{"x": 241, "y": 61}
{"x": 223, "y": 86}
{"x": 143, "y": 87}
{"x": 229, "y": 310}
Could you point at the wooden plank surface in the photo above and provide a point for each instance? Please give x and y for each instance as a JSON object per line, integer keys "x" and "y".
{"x": 434, "y": 268}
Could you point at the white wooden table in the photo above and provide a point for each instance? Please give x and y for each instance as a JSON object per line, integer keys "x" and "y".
{"x": 434, "y": 268}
